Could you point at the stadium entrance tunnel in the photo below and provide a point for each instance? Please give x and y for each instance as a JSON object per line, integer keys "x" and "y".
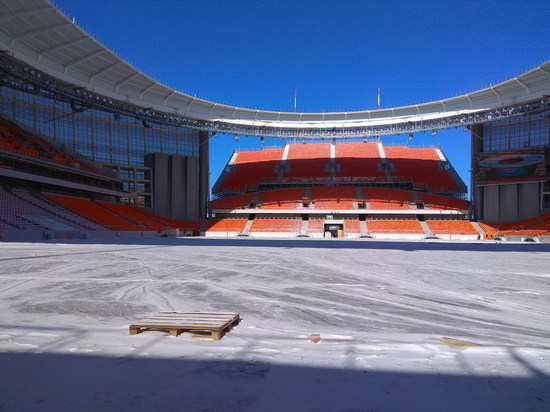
{"x": 334, "y": 230}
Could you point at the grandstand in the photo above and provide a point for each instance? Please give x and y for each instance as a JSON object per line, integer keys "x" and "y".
{"x": 89, "y": 145}
{"x": 345, "y": 190}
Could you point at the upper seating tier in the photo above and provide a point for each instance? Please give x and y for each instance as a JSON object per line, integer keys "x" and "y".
{"x": 233, "y": 202}
{"x": 421, "y": 166}
{"x": 307, "y": 160}
{"x": 358, "y": 160}
{"x": 265, "y": 155}
{"x": 443, "y": 202}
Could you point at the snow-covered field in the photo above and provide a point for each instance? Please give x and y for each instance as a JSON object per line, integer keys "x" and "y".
{"x": 381, "y": 309}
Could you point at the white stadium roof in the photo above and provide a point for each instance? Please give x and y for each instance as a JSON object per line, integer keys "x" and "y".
{"x": 36, "y": 33}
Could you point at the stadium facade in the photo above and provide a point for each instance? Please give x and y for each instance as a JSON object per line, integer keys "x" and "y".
{"x": 70, "y": 91}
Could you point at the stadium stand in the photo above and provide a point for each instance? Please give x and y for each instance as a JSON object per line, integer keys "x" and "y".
{"x": 347, "y": 180}
{"x": 536, "y": 226}
{"x": 388, "y": 199}
{"x": 421, "y": 166}
{"x": 276, "y": 225}
{"x": 14, "y": 139}
{"x": 307, "y": 161}
{"x": 282, "y": 198}
{"x": 17, "y": 214}
{"x": 431, "y": 201}
{"x": 94, "y": 212}
{"x": 395, "y": 226}
{"x": 358, "y": 160}
{"x": 316, "y": 226}
{"x": 333, "y": 197}
{"x": 250, "y": 168}
{"x": 351, "y": 226}
{"x": 451, "y": 227}
{"x": 233, "y": 202}
{"x": 21, "y": 209}
{"x": 48, "y": 208}
{"x": 128, "y": 213}
{"x": 225, "y": 225}
{"x": 184, "y": 226}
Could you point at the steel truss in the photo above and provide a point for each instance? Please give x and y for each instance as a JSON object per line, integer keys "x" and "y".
{"x": 18, "y": 75}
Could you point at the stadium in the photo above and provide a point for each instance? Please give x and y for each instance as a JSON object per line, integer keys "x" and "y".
{"x": 362, "y": 274}
{"x": 91, "y": 145}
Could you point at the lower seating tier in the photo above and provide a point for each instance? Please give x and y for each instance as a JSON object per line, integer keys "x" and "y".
{"x": 276, "y": 225}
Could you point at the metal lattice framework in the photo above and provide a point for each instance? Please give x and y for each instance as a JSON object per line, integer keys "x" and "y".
{"x": 46, "y": 52}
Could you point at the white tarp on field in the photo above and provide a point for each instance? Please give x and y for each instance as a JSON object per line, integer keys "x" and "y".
{"x": 381, "y": 308}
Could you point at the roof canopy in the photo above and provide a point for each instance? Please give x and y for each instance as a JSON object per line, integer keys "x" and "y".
{"x": 36, "y": 33}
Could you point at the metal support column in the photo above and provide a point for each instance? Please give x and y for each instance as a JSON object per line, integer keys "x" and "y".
{"x": 204, "y": 172}
{"x": 475, "y": 192}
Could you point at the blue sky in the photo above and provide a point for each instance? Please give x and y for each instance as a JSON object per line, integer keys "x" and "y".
{"x": 254, "y": 53}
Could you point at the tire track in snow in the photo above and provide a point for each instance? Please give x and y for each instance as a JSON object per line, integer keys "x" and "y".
{"x": 166, "y": 301}
{"x": 14, "y": 286}
{"x": 127, "y": 291}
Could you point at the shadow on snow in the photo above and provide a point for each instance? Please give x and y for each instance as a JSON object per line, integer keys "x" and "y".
{"x": 54, "y": 382}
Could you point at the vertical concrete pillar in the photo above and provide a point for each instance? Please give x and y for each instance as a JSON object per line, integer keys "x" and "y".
{"x": 475, "y": 192}
{"x": 204, "y": 172}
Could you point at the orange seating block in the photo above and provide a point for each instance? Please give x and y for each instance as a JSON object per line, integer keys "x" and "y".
{"x": 388, "y": 199}
{"x": 451, "y": 227}
{"x": 333, "y": 197}
{"x": 233, "y": 202}
{"x": 225, "y": 225}
{"x": 282, "y": 198}
{"x": 276, "y": 225}
{"x": 351, "y": 226}
{"x": 443, "y": 202}
{"x": 395, "y": 226}
{"x": 94, "y": 212}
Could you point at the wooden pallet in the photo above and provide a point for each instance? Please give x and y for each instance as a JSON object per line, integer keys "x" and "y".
{"x": 217, "y": 324}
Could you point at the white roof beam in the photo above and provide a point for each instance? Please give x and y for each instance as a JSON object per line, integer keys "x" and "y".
{"x": 105, "y": 70}
{"x": 126, "y": 80}
{"x": 495, "y": 92}
{"x": 168, "y": 97}
{"x": 547, "y": 72}
{"x": 147, "y": 89}
{"x": 83, "y": 58}
{"x": 62, "y": 46}
{"x": 522, "y": 83}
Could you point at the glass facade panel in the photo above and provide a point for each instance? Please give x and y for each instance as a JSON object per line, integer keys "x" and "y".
{"x": 515, "y": 134}
{"x": 100, "y": 136}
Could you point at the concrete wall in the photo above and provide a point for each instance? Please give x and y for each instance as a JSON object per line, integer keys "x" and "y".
{"x": 160, "y": 181}
{"x": 59, "y": 236}
{"x": 510, "y": 203}
{"x": 529, "y": 202}
{"x": 175, "y": 183}
{"x": 273, "y": 234}
{"x": 220, "y": 234}
{"x": 458, "y": 237}
{"x": 397, "y": 236}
